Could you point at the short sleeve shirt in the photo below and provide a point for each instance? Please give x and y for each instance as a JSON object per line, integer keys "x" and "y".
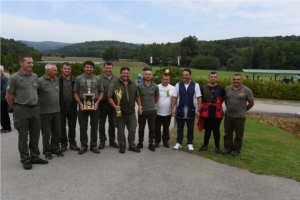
{"x": 24, "y": 88}
{"x": 148, "y": 94}
{"x": 81, "y": 85}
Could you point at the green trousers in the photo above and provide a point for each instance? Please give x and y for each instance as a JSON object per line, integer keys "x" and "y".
{"x": 106, "y": 111}
{"x": 83, "y": 117}
{"x": 51, "y": 132}
{"x": 130, "y": 121}
{"x": 27, "y": 122}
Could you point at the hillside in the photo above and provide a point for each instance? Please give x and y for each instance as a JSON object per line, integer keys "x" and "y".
{"x": 94, "y": 48}
{"x": 45, "y": 45}
{"x": 10, "y": 46}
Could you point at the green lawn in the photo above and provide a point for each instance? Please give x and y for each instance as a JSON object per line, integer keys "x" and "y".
{"x": 266, "y": 150}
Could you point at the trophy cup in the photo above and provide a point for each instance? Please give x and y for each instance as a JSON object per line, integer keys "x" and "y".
{"x": 118, "y": 93}
{"x": 88, "y": 98}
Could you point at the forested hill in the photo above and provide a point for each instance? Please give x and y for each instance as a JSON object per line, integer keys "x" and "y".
{"x": 45, "y": 45}
{"x": 94, "y": 48}
{"x": 10, "y": 46}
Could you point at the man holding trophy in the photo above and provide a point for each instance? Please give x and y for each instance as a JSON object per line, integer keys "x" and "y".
{"x": 88, "y": 92}
{"x": 122, "y": 95}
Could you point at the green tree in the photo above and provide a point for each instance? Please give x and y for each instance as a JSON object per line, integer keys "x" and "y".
{"x": 189, "y": 48}
{"x": 110, "y": 53}
{"x": 205, "y": 62}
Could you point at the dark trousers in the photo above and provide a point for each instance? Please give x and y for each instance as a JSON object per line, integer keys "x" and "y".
{"x": 5, "y": 120}
{"x": 212, "y": 125}
{"x": 51, "y": 132}
{"x": 165, "y": 122}
{"x": 83, "y": 117}
{"x": 27, "y": 122}
{"x": 106, "y": 110}
{"x": 149, "y": 116}
{"x": 190, "y": 130}
{"x": 69, "y": 115}
{"x": 128, "y": 120}
{"x": 233, "y": 124}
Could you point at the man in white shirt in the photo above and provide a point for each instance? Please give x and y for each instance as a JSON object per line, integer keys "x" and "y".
{"x": 163, "y": 116}
{"x": 187, "y": 98}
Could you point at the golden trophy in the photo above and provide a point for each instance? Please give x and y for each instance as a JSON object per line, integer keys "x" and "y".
{"x": 118, "y": 94}
{"x": 89, "y": 98}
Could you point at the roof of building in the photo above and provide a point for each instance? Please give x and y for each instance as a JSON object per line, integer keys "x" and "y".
{"x": 271, "y": 71}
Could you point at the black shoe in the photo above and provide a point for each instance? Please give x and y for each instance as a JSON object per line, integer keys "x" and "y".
{"x": 74, "y": 147}
{"x": 218, "y": 150}
{"x": 39, "y": 161}
{"x": 156, "y": 145}
{"x": 59, "y": 153}
{"x": 226, "y": 151}
{"x": 166, "y": 145}
{"x": 134, "y": 149}
{"x": 203, "y": 148}
{"x": 63, "y": 148}
{"x": 235, "y": 154}
{"x": 27, "y": 165}
{"x": 151, "y": 147}
{"x": 48, "y": 156}
{"x": 122, "y": 149}
{"x": 5, "y": 131}
{"x": 140, "y": 146}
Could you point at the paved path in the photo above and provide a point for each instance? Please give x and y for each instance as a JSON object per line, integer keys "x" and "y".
{"x": 164, "y": 174}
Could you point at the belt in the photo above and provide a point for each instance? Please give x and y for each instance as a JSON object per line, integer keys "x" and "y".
{"x": 24, "y": 105}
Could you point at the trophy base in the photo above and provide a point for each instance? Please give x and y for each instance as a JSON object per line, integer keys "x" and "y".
{"x": 89, "y": 101}
{"x": 119, "y": 114}
{"x": 89, "y": 109}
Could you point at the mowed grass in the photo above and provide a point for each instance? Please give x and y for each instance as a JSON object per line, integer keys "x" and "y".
{"x": 137, "y": 68}
{"x": 266, "y": 150}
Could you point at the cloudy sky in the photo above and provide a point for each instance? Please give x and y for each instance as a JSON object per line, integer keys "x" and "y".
{"x": 146, "y": 21}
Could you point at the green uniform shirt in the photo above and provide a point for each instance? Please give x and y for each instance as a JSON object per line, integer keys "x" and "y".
{"x": 237, "y": 100}
{"x": 67, "y": 91}
{"x": 80, "y": 85}
{"x": 48, "y": 95}
{"x": 148, "y": 94}
{"x": 24, "y": 88}
{"x": 106, "y": 83}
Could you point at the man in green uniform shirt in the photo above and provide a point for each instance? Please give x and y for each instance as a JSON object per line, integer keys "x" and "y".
{"x": 149, "y": 94}
{"x": 83, "y": 115}
{"x": 106, "y": 110}
{"x": 21, "y": 95}
{"x": 49, "y": 107}
{"x": 128, "y": 98}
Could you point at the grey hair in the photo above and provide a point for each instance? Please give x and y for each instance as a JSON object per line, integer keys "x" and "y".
{"x": 1, "y": 68}
{"x": 49, "y": 66}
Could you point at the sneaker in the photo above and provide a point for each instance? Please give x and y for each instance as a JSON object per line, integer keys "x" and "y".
{"x": 59, "y": 153}
{"x": 156, "y": 145}
{"x": 218, "y": 150}
{"x": 114, "y": 144}
{"x": 82, "y": 150}
{"x": 48, "y": 156}
{"x": 74, "y": 147}
{"x": 27, "y": 165}
{"x": 190, "y": 147}
{"x": 151, "y": 147}
{"x": 5, "y": 131}
{"x": 166, "y": 145}
{"x": 134, "y": 149}
{"x": 226, "y": 151}
{"x": 101, "y": 145}
{"x": 95, "y": 150}
{"x": 122, "y": 149}
{"x": 39, "y": 161}
{"x": 177, "y": 146}
{"x": 140, "y": 146}
{"x": 235, "y": 154}
{"x": 63, "y": 148}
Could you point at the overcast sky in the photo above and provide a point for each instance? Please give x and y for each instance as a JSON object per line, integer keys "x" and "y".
{"x": 146, "y": 21}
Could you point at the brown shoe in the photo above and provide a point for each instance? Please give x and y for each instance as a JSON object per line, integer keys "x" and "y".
{"x": 235, "y": 154}
{"x": 114, "y": 144}
{"x": 95, "y": 150}
{"x": 82, "y": 150}
{"x": 64, "y": 148}
{"x": 74, "y": 147}
{"x": 101, "y": 145}
{"x": 226, "y": 151}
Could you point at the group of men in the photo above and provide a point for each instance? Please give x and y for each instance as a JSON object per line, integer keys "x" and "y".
{"x": 50, "y": 103}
